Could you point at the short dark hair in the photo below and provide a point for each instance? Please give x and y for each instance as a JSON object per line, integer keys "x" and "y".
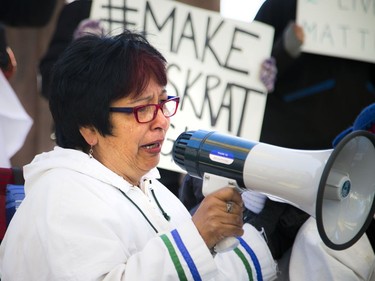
{"x": 95, "y": 71}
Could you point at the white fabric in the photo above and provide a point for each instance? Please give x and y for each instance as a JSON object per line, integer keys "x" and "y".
{"x": 254, "y": 201}
{"x": 269, "y": 267}
{"x": 74, "y": 224}
{"x": 312, "y": 260}
{"x": 15, "y": 123}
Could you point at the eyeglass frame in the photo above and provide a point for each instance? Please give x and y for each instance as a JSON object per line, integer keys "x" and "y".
{"x": 158, "y": 106}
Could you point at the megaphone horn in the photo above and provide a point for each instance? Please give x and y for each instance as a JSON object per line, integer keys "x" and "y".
{"x": 336, "y": 186}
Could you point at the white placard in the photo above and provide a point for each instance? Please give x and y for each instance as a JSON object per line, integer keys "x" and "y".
{"x": 213, "y": 64}
{"x": 339, "y": 28}
{"x": 15, "y": 123}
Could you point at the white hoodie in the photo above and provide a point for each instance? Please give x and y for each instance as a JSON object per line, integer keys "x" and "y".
{"x": 76, "y": 224}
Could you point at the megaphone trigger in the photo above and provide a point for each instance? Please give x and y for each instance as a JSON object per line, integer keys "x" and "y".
{"x": 212, "y": 183}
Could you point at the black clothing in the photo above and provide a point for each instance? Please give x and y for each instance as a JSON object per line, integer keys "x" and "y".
{"x": 26, "y": 13}
{"x": 70, "y": 17}
{"x": 316, "y": 97}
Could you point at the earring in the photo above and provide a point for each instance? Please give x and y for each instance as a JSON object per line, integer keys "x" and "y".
{"x": 91, "y": 151}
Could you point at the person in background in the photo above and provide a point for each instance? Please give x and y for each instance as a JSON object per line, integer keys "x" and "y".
{"x": 315, "y": 97}
{"x": 94, "y": 208}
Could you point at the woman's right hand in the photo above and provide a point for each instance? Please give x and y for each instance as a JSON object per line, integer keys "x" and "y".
{"x": 212, "y": 219}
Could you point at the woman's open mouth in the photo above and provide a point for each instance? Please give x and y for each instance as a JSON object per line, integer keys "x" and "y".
{"x": 152, "y": 145}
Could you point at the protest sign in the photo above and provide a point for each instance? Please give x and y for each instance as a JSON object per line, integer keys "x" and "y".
{"x": 339, "y": 28}
{"x": 213, "y": 64}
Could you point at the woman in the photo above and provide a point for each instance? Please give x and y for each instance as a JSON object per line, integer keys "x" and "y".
{"x": 94, "y": 209}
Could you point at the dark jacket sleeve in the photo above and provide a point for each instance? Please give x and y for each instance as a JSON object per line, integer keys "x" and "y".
{"x": 190, "y": 193}
{"x": 278, "y": 14}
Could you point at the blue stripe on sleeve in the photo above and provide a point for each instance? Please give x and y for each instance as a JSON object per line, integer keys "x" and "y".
{"x": 185, "y": 253}
{"x": 253, "y": 257}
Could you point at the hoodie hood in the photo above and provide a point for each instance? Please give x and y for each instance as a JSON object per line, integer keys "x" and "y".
{"x": 75, "y": 160}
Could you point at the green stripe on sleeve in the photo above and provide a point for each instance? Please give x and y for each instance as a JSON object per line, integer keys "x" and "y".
{"x": 245, "y": 263}
{"x": 174, "y": 257}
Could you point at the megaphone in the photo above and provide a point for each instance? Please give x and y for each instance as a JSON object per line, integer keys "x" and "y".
{"x": 335, "y": 186}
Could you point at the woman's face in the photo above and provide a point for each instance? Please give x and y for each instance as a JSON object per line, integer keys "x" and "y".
{"x": 134, "y": 148}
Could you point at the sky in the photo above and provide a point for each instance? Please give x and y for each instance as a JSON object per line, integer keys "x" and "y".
{"x": 243, "y": 10}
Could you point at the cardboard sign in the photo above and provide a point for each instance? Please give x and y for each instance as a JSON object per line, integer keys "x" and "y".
{"x": 213, "y": 64}
{"x": 339, "y": 28}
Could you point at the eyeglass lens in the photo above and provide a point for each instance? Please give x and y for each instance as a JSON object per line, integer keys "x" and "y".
{"x": 147, "y": 113}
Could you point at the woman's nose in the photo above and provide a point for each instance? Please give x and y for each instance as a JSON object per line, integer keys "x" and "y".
{"x": 161, "y": 120}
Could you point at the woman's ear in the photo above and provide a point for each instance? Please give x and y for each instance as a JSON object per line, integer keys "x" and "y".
{"x": 90, "y": 134}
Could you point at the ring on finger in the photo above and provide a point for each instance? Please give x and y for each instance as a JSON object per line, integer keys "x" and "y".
{"x": 229, "y": 206}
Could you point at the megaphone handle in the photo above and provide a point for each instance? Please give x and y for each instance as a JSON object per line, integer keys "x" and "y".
{"x": 213, "y": 183}
{"x": 227, "y": 244}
